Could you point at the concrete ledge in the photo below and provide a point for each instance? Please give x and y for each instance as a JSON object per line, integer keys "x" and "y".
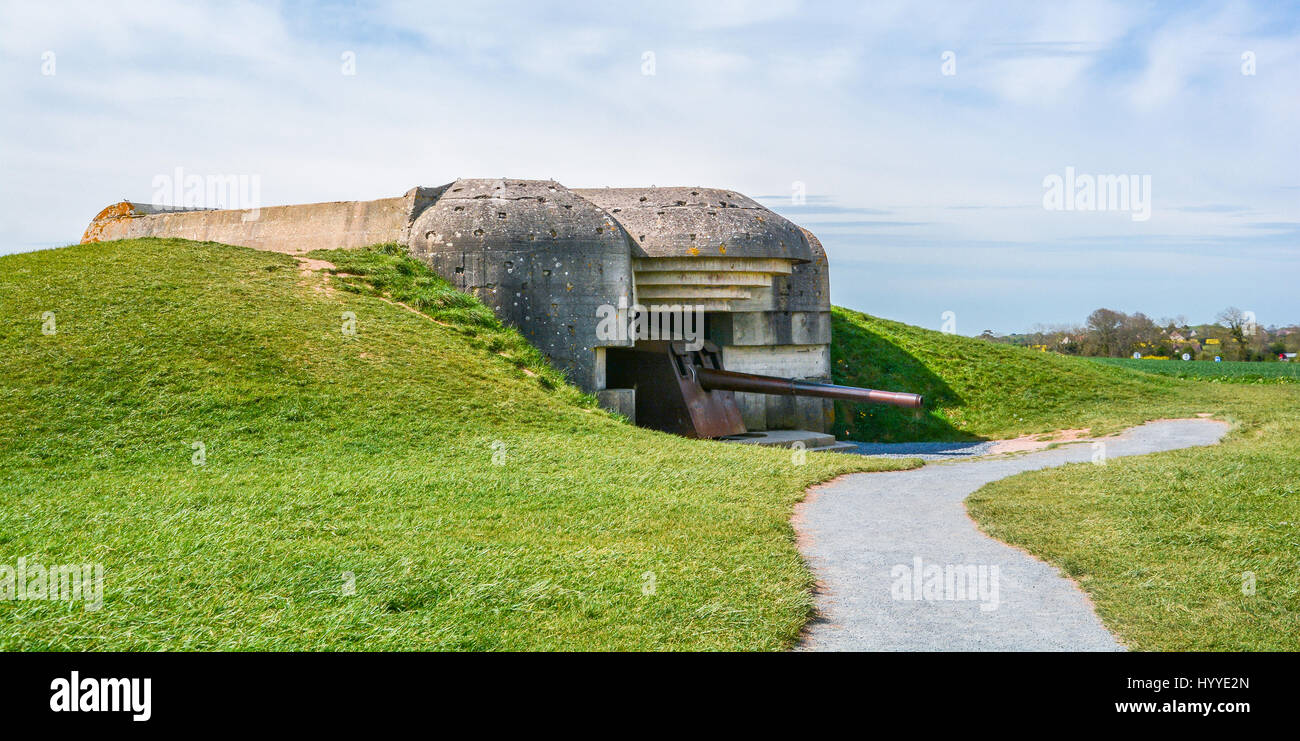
{"x": 619, "y": 401}
{"x": 787, "y": 438}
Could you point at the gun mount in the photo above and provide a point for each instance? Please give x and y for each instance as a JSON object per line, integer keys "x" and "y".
{"x": 687, "y": 392}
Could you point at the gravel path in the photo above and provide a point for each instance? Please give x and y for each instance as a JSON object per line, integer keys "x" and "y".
{"x": 927, "y": 451}
{"x": 902, "y": 567}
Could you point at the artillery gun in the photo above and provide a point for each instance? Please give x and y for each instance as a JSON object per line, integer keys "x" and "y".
{"x": 687, "y": 392}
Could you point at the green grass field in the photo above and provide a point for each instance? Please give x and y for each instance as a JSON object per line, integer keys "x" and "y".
{"x": 376, "y": 455}
{"x": 371, "y": 455}
{"x": 1227, "y": 371}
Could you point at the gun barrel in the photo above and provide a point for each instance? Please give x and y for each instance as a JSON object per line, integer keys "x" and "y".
{"x": 721, "y": 380}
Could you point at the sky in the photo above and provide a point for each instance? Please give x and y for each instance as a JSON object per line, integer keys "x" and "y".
{"x": 919, "y": 141}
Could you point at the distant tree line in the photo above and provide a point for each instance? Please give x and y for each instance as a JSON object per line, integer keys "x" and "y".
{"x": 1235, "y": 335}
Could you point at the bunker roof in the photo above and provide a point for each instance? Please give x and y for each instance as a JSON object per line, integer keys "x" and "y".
{"x": 699, "y": 222}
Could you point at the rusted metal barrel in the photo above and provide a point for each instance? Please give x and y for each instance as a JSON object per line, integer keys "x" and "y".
{"x": 722, "y": 380}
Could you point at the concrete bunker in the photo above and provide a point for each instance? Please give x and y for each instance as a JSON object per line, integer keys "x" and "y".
{"x": 585, "y": 274}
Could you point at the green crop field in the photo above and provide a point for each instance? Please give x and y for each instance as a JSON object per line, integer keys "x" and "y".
{"x": 1227, "y": 371}
{"x": 198, "y": 419}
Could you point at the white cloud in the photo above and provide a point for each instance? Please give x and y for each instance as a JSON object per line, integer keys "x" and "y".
{"x": 847, "y": 98}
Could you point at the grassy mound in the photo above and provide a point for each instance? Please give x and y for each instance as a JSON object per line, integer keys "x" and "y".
{"x": 976, "y": 389}
{"x": 195, "y": 418}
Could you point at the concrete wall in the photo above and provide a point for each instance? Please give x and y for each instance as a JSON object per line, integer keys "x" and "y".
{"x": 289, "y": 229}
{"x": 783, "y": 330}
{"x": 772, "y": 412}
{"x": 543, "y": 258}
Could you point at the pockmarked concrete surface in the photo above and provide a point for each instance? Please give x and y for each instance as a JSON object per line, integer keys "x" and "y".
{"x": 902, "y": 567}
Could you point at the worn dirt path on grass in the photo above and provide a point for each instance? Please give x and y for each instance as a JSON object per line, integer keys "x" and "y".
{"x": 862, "y": 534}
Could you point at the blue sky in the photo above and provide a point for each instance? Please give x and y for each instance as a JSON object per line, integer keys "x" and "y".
{"x": 926, "y": 188}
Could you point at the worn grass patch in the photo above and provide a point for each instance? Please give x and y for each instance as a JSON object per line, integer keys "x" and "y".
{"x": 365, "y": 460}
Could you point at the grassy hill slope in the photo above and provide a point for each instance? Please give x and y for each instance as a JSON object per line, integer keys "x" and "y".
{"x": 426, "y": 483}
{"x": 976, "y": 389}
